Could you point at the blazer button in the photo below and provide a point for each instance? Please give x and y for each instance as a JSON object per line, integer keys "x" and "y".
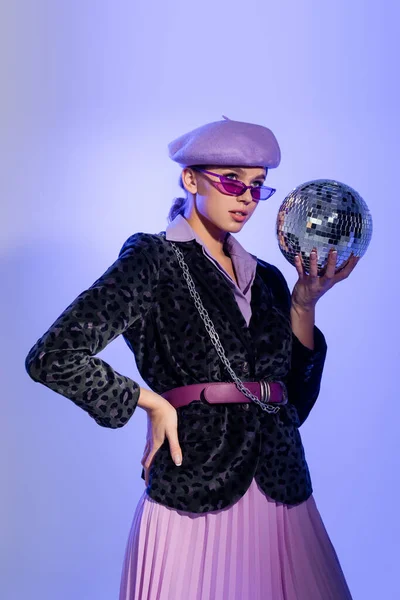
{"x": 245, "y": 367}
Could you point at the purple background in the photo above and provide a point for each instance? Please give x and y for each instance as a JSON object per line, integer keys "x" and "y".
{"x": 92, "y": 92}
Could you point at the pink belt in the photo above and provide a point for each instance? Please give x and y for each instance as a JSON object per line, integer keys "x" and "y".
{"x": 226, "y": 392}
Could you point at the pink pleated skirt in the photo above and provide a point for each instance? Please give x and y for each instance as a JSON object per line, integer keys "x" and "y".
{"x": 256, "y": 549}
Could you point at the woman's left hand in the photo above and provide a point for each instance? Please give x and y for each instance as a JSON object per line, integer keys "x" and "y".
{"x": 309, "y": 288}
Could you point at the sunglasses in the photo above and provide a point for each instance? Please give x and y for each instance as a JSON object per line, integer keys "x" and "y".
{"x": 232, "y": 187}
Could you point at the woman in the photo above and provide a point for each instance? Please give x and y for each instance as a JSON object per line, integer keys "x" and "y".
{"x": 228, "y": 511}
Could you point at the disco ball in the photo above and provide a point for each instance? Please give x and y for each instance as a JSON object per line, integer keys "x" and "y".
{"x": 323, "y": 214}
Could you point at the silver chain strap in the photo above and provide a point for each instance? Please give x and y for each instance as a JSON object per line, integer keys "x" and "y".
{"x": 214, "y": 335}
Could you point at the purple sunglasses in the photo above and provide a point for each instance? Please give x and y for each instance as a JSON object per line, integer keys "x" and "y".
{"x": 230, "y": 187}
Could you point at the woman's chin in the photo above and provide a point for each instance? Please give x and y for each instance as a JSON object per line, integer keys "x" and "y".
{"x": 236, "y": 225}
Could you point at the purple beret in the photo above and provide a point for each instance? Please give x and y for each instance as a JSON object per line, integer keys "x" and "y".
{"x": 227, "y": 143}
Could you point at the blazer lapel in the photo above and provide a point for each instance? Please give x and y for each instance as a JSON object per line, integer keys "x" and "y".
{"x": 218, "y": 288}
{"x": 260, "y": 303}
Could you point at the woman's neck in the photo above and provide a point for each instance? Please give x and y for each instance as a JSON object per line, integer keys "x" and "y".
{"x": 213, "y": 238}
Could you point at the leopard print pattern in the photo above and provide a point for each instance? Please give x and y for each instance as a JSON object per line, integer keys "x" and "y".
{"x": 144, "y": 298}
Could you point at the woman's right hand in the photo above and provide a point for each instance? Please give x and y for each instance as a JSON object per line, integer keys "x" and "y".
{"x": 162, "y": 422}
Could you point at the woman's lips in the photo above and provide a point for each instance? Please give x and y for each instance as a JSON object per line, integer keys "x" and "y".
{"x": 238, "y": 218}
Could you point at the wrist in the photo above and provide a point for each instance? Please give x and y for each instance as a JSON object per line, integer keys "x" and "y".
{"x": 303, "y": 321}
{"x": 149, "y": 400}
{"x": 303, "y": 310}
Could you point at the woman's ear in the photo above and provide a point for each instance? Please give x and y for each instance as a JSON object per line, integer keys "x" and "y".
{"x": 189, "y": 180}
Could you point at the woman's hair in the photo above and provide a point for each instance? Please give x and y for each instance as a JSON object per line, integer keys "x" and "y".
{"x": 178, "y": 204}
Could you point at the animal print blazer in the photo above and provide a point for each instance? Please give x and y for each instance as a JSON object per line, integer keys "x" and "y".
{"x": 144, "y": 297}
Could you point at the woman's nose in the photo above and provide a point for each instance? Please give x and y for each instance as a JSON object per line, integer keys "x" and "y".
{"x": 246, "y": 196}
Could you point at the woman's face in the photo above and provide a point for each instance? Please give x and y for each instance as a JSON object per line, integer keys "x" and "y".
{"x": 215, "y": 207}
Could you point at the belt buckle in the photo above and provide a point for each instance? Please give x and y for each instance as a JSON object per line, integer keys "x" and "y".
{"x": 265, "y": 391}
{"x": 285, "y": 393}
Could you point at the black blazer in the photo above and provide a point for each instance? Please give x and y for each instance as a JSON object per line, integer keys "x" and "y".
{"x": 144, "y": 297}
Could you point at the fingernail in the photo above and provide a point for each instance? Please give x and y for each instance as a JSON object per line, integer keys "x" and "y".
{"x": 177, "y": 460}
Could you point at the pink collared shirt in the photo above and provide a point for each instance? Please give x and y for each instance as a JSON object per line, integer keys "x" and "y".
{"x": 179, "y": 230}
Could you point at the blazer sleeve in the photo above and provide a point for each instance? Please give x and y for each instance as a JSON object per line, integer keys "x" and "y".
{"x": 64, "y": 358}
{"x": 304, "y": 379}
